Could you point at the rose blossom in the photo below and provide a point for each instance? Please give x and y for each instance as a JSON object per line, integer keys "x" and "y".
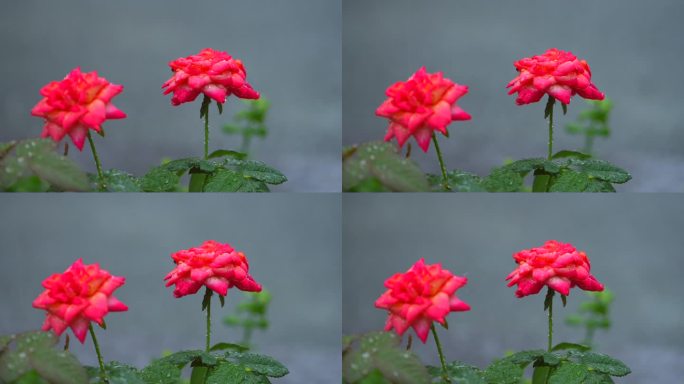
{"x": 214, "y": 265}
{"x": 557, "y": 265}
{"x": 83, "y": 293}
{"x": 421, "y": 295}
{"x": 557, "y": 73}
{"x": 417, "y": 107}
{"x": 213, "y": 73}
{"x": 80, "y": 102}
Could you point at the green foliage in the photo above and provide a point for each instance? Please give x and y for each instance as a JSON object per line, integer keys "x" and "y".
{"x": 375, "y": 356}
{"x": 117, "y": 181}
{"x": 31, "y": 358}
{"x": 459, "y": 181}
{"x": 593, "y": 314}
{"x": 567, "y": 171}
{"x": 458, "y": 373}
{"x": 249, "y": 122}
{"x": 250, "y": 314}
{"x": 379, "y": 167}
{"x": 225, "y": 173}
{"x": 573, "y": 363}
{"x": 118, "y": 373}
{"x": 231, "y": 366}
{"x": 592, "y": 123}
{"x": 33, "y": 165}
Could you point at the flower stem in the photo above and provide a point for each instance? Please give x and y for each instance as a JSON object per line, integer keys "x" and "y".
{"x": 549, "y": 108}
{"x": 445, "y": 374}
{"x": 208, "y": 345}
{"x": 100, "y": 176}
{"x": 103, "y": 373}
{"x": 550, "y": 343}
{"x": 445, "y": 180}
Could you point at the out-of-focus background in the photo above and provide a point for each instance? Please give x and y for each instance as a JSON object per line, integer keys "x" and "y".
{"x": 633, "y": 48}
{"x": 634, "y": 242}
{"x": 292, "y": 243}
{"x": 291, "y": 51}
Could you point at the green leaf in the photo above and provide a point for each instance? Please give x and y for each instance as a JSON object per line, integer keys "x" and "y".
{"x": 220, "y": 107}
{"x": 503, "y": 371}
{"x": 565, "y": 108}
{"x": 459, "y": 181}
{"x": 551, "y": 359}
{"x": 564, "y": 299}
{"x": 603, "y": 363}
{"x": 375, "y": 377}
{"x": 56, "y": 169}
{"x": 35, "y": 340}
{"x": 120, "y": 181}
{"x": 165, "y": 178}
{"x": 204, "y": 109}
{"x": 574, "y": 154}
{"x": 224, "y": 180}
{"x": 182, "y": 358}
{"x": 222, "y": 300}
{"x": 119, "y": 373}
{"x": 230, "y": 346}
{"x": 548, "y": 300}
{"x": 371, "y": 184}
{"x": 564, "y": 346}
{"x": 258, "y": 170}
{"x": 525, "y": 166}
{"x": 459, "y": 373}
{"x": 162, "y": 371}
{"x": 31, "y": 377}
{"x": 400, "y": 366}
{"x": 58, "y": 367}
{"x": 503, "y": 180}
{"x": 207, "y": 298}
{"x": 524, "y": 358}
{"x": 568, "y": 373}
{"x": 230, "y": 373}
{"x": 549, "y": 106}
{"x": 28, "y": 184}
{"x": 227, "y": 153}
{"x": 601, "y": 169}
{"x": 596, "y": 185}
{"x": 262, "y": 364}
{"x": 13, "y": 364}
{"x": 569, "y": 181}
{"x": 383, "y": 162}
{"x": 381, "y": 351}
{"x": 594, "y": 377}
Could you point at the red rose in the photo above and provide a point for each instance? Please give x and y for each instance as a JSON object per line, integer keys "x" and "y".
{"x": 417, "y": 107}
{"x": 213, "y": 73}
{"x": 557, "y": 265}
{"x": 557, "y": 73}
{"x": 83, "y": 293}
{"x": 214, "y": 265}
{"x": 80, "y": 102}
{"x": 421, "y": 295}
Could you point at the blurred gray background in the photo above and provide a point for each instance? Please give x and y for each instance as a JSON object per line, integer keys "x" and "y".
{"x": 634, "y": 242}
{"x": 291, "y": 51}
{"x": 291, "y": 241}
{"x": 633, "y": 48}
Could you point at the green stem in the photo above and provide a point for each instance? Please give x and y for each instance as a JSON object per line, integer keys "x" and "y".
{"x": 445, "y": 180}
{"x": 103, "y": 373}
{"x": 208, "y": 346}
{"x": 206, "y": 135}
{"x": 551, "y": 101}
{"x": 550, "y": 344}
{"x": 100, "y": 176}
{"x": 445, "y": 374}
